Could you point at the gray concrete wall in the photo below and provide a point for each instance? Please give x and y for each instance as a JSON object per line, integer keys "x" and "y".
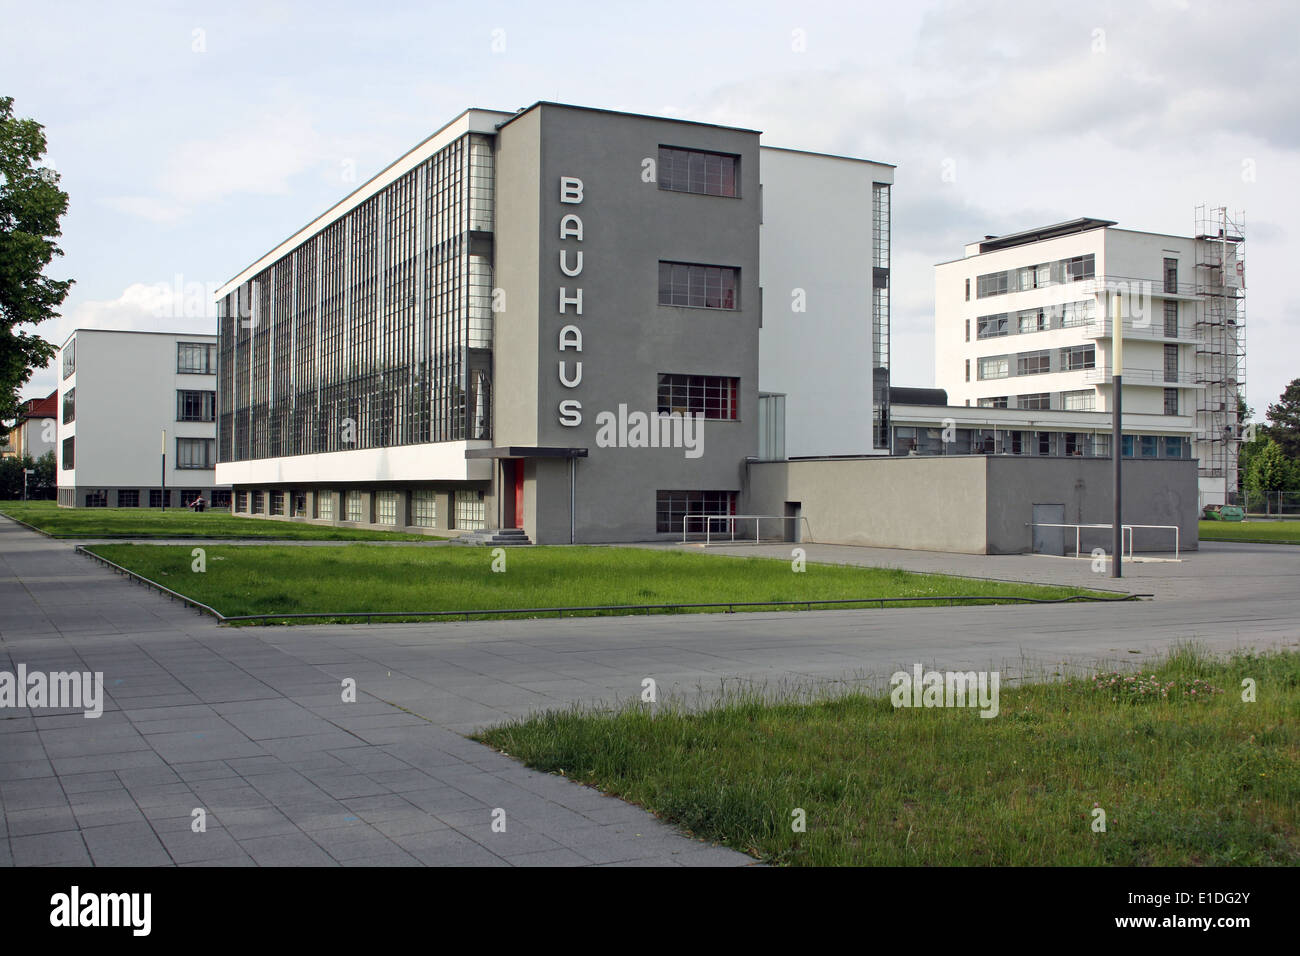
{"x": 929, "y": 504}
{"x": 974, "y": 504}
{"x": 629, "y": 225}
{"x": 1155, "y": 491}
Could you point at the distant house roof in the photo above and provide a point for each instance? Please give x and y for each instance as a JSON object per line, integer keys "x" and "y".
{"x": 992, "y": 243}
{"x": 39, "y": 407}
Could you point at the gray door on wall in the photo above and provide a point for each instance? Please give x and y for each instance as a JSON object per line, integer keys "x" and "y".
{"x": 1049, "y": 540}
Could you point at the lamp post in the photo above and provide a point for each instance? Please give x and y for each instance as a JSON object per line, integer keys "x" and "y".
{"x": 1116, "y": 439}
{"x": 163, "y": 472}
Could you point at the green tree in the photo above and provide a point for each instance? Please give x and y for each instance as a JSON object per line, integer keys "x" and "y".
{"x": 1270, "y": 471}
{"x": 1284, "y": 421}
{"x": 31, "y": 205}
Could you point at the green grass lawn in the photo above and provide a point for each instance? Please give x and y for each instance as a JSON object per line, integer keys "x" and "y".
{"x": 1200, "y": 779}
{"x": 269, "y": 579}
{"x": 1264, "y": 532}
{"x": 178, "y": 523}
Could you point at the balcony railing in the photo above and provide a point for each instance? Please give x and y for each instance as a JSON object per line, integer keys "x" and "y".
{"x": 1140, "y": 376}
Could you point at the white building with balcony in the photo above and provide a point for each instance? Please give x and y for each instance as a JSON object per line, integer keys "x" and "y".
{"x": 1023, "y": 325}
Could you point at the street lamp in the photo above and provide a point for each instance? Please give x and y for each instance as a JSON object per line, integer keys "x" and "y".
{"x": 1117, "y": 440}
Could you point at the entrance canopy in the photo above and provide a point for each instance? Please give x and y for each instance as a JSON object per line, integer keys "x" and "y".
{"x": 526, "y": 451}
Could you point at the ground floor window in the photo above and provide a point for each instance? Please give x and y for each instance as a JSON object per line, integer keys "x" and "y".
{"x": 471, "y": 514}
{"x": 159, "y": 498}
{"x": 221, "y": 499}
{"x": 1174, "y": 446}
{"x": 241, "y": 501}
{"x": 325, "y": 505}
{"x": 97, "y": 499}
{"x": 355, "y": 511}
{"x": 128, "y": 498}
{"x": 276, "y": 502}
{"x": 257, "y": 507}
{"x": 386, "y": 507}
{"x": 297, "y": 504}
{"x": 424, "y": 508}
{"x": 672, "y": 508}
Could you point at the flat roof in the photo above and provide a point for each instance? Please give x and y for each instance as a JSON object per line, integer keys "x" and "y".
{"x": 1067, "y": 228}
{"x": 813, "y": 152}
{"x": 596, "y": 109}
{"x": 192, "y": 335}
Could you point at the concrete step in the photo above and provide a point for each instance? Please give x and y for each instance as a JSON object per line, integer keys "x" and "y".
{"x": 494, "y": 537}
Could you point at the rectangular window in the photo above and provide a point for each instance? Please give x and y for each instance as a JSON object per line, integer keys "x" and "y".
{"x": 1174, "y": 446}
{"x": 324, "y": 504}
{"x": 297, "y": 504}
{"x": 69, "y": 453}
{"x": 1080, "y": 267}
{"x": 220, "y": 499}
{"x": 128, "y": 498}
{"x": 196, "y": 406}
{"x": 1033, "y": 363}
{"x": 697, "y": 286}
{"x": 968, "y": 370}
{"x": 968, "y": 299}
{"x": 1035, "y": 400}
{"x": 1171, "y": 275}
{"x": 1171, "y": 401}
{"x": 1017, "y": 443}
{"x": 994, "y": 366}
{"x": 1075, "y": 444}
{"x": 196, "y": 358}
{"x": 673, "y": 507}
{"x": 158, "y": 499}
{"x": 1126, "y": 446}
{"x": 1079, "y": 357}
{"x": 1171, "y": 320}
{"x": 256, "y": 504}
{"x": 1074, "y": 314}
{"x": 1171, "y": 363}
{"x": 276, "y": 502}
{"x": 1150, "y": 445}
{"x": 699, "y": 172}
{"x": 424, "y": 508}
{"x": 386, "y": 507}
{"x": 470, "y": 512}
{"x": 1044, "y": 443}
{"x": 994, "y": 283}
{"x": 69, "y": 358}
{"x": 715, "y": 397}
{"x": 69, "y": 406}
{"x": 1081, "y": 401}
{"x": 997, "y": 401}
{"x": 1032, "y": 320}
{"x": 991, "y": 326}
{"x": 968, "y": 325}
{"x": 196, "y": 453}
{"x": 355, "y": 506}
{"x": 241, "y": 502}
{"x": 97, "y": 499}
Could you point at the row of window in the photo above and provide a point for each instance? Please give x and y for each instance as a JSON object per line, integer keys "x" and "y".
{"x": 1034, "y": 277}
{"x": 469, "y": 508}
{"x": 1064, "y": 316}
{"x": 158, "y": 498}
{"x": 988, "y": 441}
{"x": 1084, "y": 400}
{"x": 676, "y": 511}
{"x": 1070, "y": 359}
{"x": 699, "y": 172}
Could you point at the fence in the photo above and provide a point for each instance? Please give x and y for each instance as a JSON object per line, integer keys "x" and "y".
{"x": 1277, "y": 503}
{"x": 717, "y": 527}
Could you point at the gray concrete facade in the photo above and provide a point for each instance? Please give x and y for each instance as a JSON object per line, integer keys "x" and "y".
{"x": 629, "y": 225}
{"x": 974, "y": 504}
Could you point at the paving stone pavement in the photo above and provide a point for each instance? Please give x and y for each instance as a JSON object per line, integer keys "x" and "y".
{"x": 199, "y": 716}
{"x": 248, "y": 723}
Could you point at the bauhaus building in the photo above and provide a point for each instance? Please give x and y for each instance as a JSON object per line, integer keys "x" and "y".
{"x": 550, "y": 320}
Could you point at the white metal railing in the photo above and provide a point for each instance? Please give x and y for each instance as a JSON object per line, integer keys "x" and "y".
{"x": 731, "y": 520}
{"x": 1078, "y": 529}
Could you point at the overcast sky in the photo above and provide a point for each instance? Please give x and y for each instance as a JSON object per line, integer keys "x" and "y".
{"x": 194, "y": 137}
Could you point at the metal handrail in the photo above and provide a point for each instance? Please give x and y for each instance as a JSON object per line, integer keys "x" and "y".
{"x": 732, "y": 519}
{"x": 1078, "y": 527}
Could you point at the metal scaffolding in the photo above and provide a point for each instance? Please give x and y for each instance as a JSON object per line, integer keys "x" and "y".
{"x": 1220, "y": 342}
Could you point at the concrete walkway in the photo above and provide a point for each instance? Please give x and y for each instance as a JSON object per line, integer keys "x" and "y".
{"x": 204, "y": 717}
{"x": 248, "y": 722}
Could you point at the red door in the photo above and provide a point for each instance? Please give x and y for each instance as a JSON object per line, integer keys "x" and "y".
{"x": 519, "y": 493}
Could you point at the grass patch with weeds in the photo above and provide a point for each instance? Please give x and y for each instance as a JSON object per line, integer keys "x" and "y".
{"x": 269, "y": 579}
{"x": 1185, "y": 779}
{"x": 180, "y": 523}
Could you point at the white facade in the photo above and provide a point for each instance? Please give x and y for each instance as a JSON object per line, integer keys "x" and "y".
{"x": 118, "y": 395}
{"x": 817, "y": 345}
{"x": 1024, "y": 323}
